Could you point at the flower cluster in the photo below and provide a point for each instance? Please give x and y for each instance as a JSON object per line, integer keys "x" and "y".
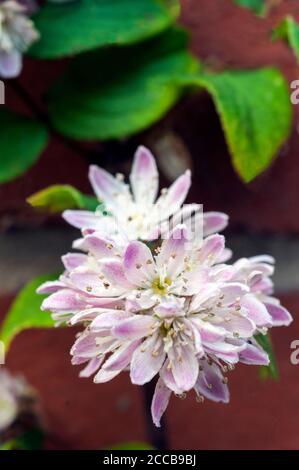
{"x": 13, "y": 391}
{"x": 156, "y": 305}
{"x": 17, "y": 33}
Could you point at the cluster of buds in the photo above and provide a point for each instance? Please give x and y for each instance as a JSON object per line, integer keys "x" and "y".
{"x": 156, "y": 302}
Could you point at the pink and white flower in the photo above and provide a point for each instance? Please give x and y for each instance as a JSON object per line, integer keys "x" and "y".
{"x": 135, "y": 210}
{"x": 17, "y": 33}
{"x": 172, "y": 308}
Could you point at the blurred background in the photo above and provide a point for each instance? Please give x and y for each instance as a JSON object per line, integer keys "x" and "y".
{"x": 263, "y": 219}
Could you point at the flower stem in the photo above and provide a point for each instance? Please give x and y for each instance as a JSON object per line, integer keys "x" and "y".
{"x": 157, "y": 437}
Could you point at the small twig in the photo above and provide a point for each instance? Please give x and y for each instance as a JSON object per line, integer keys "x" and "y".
{"x": 157, "y": 436}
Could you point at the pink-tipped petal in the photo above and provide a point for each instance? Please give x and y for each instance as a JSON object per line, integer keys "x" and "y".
{"x": 82, "y": 219}
{"x": 104, "y": 376}
{"x": 173, "y": 251}
{"x": 64, "y": 300}
{"x": 231, "y": 291}
{"x": 113, "y": 271}
{"x": 184, "y": 367}
{"x": 167, "y": 376}
{"x": 50, "y": 287}
{"x": 254, "y": 355}
{"x": 160, "y": 401}
{"x": 121, "y": 357}
{"x": 73, "y": 260}
{"x": 208, "y": 332}
{"x": 280, "y": 315}
{"x": 135, "y": 327}
{"x": 147, "y": 360}
{"x": 144, "y": 177}
{"x": 105, "y": 320}
{"x": 106, "y": 187}
{"x": 211, "y": 384}
{"x": 214, "y": 222}
{"x": 92, "y": 366}
{"x": 256, "y": 311}
{"x": 139, "y": 264}
{"x": 90, "y": 283}
{"x": 169, "y": 203}
{"x": 211, "y": 249}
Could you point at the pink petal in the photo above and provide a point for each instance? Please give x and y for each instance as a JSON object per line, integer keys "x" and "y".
{"x": 254, "y": 355}
{"x": 184, "y": 367}
{"x": 225, "y": 256}
{"x": 65, "y": 300}
{"x": 147, "y": 360}
{"x": 121, "y": 358}
{"x": 113, "y": 270}
{"x": 50, "y": 287}
{"x": 231, "y": 291}
{"x": 90, "y": 283}
{"x": 107, "y": 319}
{"x": 98, "y": 246}
{"x": 280, "y": 316}
{"x": 85, "y": 346}
{"x": 167, "y": 376}
{"x": 82, "y": 219}
{"x": 171, "y": 202}
{"x": 238, "y": 325}
{"x": 170, "y": 308}
{"x": 256, "y": 310}
{"x": 173, "y": 251}
{"x": 106, "y": 187}
{"x": 201, "y": 300}
{"x": 90, "y": 315}
{"x": 139, "y": 300}
{"x": 104, "y": 376}
{"x": 210, "y": 383}
{"x": 73, "y": 260}
{"x": 91, "y": 367}
{"x": 144, "y": 176}
{"x": 135, "y": 327}
{"x": 227, "y": 352}
{"x": 214, "y": 222}
{"x": 208, "y": 332}
{"x": 160, "y": 401}
{"x": 139, "y": 264}
{"x": 211, "y": 249}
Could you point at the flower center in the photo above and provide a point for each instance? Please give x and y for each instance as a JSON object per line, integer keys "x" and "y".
{"x": 161, "y": 286}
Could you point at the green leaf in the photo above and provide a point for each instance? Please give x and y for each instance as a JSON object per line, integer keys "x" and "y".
{"x": 133, "y": 87}
{"x": 73, "y": 27}
{"x": 30, "y": 440}
{"x": 128, "y": 90}
{"x": 131, "y": 446}
{"x": 288, "y": 30}
{"x": 255, "y": 112}
{"x": 59, "y": 197}
{"x": 271, "y": 371}
{"x": 22, "y": 142}
{"x": 257, "y": 6}
{"x": 25, "y": 311}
